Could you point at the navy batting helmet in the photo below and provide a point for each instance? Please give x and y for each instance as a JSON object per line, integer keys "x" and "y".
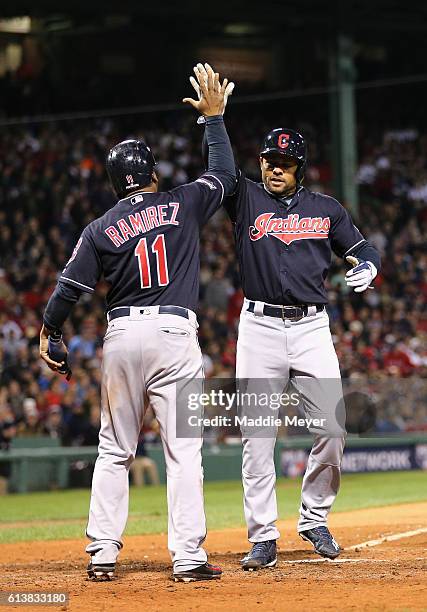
{"x": 130, "y": 166}
{"x": 289, "y": 143}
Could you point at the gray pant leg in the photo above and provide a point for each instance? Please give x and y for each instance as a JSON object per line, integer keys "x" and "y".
{"x": 122, "y": 408}
{"x": 261, "y": 367}
{"x": 184, "y": 472}
{"x": 318, "y": 380}
{"x": 259, "y": 482}
{"x": 321, "y": 482}
{"x": 183, "y": 369}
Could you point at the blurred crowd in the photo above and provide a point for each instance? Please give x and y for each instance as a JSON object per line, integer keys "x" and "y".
{"x": 53, "y": 182}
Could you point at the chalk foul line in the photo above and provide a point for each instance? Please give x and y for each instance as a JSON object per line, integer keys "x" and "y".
{"x": 324, "y": 560}
{"x": 388, "y": 538}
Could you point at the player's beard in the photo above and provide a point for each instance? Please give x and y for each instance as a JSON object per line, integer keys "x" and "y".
{"x": 282, "y": 190}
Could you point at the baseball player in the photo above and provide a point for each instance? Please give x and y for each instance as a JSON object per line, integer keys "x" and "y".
{"x": 147, "y": 249}
{"x": 284, "y": 236}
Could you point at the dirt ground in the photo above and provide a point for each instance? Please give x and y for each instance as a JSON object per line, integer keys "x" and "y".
{"x": 389, "y": 576}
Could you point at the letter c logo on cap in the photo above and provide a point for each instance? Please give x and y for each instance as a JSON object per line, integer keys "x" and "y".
{"x": 283, "y": 141}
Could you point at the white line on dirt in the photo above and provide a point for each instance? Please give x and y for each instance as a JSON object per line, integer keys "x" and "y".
{"x": 335, "y": 561}
{"x": 345, "y": 560}
{"x": 389, "y": 538}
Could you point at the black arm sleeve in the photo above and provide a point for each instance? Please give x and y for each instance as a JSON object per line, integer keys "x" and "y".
{"x": 220, "y": 153}
{"x": 60, "y": 305}
{"x": 367, "y": 252}
{"x": 205, "y": 150}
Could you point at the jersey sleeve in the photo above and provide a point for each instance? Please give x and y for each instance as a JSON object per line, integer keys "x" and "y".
{"x": 83, "y": 269}
{"x": 232, "y": 202}
{"x": 205, "y": 195}
{"x": 344, "y": 235}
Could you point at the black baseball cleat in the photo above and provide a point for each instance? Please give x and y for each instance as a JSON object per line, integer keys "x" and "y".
{"x": 262, "y": 554}
{"x": 203, "y": 572}
{"x": 323, "y": 542}
{"x": 100, "y": 571}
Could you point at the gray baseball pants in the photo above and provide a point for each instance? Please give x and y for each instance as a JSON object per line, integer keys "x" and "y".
{"x": 144, "y": 356}
{"x": 270, "y": 351}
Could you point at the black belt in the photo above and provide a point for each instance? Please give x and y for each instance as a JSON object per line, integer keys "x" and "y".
{"x": 286, "y": 312}
{"x": 124, "y": 311}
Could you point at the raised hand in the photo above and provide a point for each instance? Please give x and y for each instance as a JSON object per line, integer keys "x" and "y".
{"x": 212, "y": 96}
{"x": 204, "y": 71}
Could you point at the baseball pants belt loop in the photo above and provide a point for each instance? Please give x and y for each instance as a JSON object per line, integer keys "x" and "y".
{"x": 125, "y": 311}
{"x": 258, "y": 309}
{"x": 311, "y": 311}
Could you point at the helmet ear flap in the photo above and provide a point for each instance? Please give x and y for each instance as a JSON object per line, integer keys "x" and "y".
{"x": 300, "y": 172}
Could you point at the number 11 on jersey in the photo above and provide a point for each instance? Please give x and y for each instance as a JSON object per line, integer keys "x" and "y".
{"x": 159, "y": 249}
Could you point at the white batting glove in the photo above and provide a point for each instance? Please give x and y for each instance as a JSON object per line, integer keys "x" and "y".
{"x": 203, "y": 70}
{"x": 361, "y": 275}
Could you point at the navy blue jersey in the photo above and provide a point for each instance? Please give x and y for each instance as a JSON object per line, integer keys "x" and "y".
{"x": 285, "y": 250}
{"x": 147, "y": 246}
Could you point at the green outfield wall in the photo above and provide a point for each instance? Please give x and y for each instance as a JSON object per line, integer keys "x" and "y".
{"x": 41, "y": 464}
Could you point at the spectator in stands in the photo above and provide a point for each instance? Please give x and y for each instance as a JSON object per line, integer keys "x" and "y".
{"x": 143, "y": 465}
{"x": 31, "y": 424}
{"x": 54, "y": 425}
{"x": 90, "y": 435}
{"x": 8, "y": 431}
{"x": 85, "y": 343}
{"x": 76, "y": 425}
{"x": 218, "y": 289}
